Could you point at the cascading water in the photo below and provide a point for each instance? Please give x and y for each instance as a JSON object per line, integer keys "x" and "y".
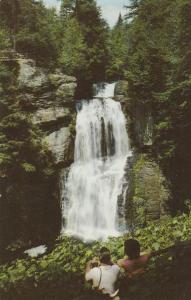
{"x": 95, "y": 180}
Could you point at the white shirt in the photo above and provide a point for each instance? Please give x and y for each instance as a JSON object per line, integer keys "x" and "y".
{"x": 108, "y": 278}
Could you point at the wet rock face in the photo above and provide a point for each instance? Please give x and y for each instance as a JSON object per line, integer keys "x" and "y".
{"x": 148, "y": 192}
{"x": 49, "y": 99}
{"x": 151, "y": 189}
{"x": 147, "y": 199}
{"x": 121, "y": 93}
{"x": 139, "y": 117}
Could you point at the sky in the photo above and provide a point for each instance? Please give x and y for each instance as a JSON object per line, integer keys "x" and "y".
{"x": 110, "y": 8}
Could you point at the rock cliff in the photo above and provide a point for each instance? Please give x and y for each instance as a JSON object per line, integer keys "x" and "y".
{"x": 49, "y": 99}
{"x": 140, "y": 119}
{"x": 148, "y": 192}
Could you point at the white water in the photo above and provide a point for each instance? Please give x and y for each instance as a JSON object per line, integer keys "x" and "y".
{"x": 36, "y": 251}
{"x": 95, "y": 179}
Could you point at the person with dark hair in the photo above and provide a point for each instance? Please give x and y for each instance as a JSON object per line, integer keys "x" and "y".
{"x": 104, "y": 275}
{"x": 135, "y": 263}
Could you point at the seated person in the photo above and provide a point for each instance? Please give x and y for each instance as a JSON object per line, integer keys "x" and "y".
{"x": 135, "y": 263}
{"x": 104, "y": 275}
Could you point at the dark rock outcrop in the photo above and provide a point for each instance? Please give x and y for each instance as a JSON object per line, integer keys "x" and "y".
{"x": 139, "y": 116}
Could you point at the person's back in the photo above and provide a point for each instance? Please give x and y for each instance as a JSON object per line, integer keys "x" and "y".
{"x": 135, "y": 266}
{"x": 104, "y": 277}
{"x": 135, "y": 263}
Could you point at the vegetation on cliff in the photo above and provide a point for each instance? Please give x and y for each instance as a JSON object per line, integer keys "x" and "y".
{"x": 27, "y": 177}
{"x": 158, "y": 73}
{"x": 74, "y": 40}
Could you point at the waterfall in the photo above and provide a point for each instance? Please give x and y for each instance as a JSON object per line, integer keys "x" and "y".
{"x": 95, "y": 181}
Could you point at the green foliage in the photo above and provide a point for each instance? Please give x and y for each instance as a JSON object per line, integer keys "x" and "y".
{"x": 61, "y": 271}
{"x": 85, "y": 37}
{"x": 4, "y": 40}
{"x": 33, "y": 29}
{"x": 27, "y": 176}
{"x": 118, "y": 47}
{"x": 67, "y": 9}
{"x": 158, "y": 73}
{"x": 73, "y": 57}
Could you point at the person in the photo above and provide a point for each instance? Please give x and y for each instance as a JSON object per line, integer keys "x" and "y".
{"x": 104, "y": 275}
{"x": 136, "y": 262}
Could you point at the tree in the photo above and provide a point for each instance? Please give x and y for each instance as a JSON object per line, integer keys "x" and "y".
{"x": 67, "y": 9}
{"x": 132, "y": 9}
{"x": 5, "y": 42}
{"x": 35, "y": 30}
{"x": 118, "y": 46}
{"x": 72, "y": 57}
{"x": 90, "y": 45}
{"x": 9, "y": 14}
{"x": 95, "y": 34}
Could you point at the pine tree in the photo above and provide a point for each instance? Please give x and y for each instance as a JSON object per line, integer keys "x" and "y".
{"x": 118, "y": 45}
{"x": 95, "y": 34}
{"x": 119, "y": 21}
{"x": 91, "y": 44}
{"x": 72, "y": 57}
{"x": 67, "y": 9}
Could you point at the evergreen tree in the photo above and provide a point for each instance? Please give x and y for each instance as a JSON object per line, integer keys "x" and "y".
{"x": 91, "y": 45}
{"x": 33, "y": 28}
{"x": 5, "y": 41}
{"x": 67, "y": 9}
{"x": 9, "y": 15}
{"x": 72, "y": 57}
{"x": 118, "y": 46}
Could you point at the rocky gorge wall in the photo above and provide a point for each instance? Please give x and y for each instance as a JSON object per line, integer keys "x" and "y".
{"x": 29, "y": 206}
{"x": 49, "y": 99}
{"x": 148, "y": 192}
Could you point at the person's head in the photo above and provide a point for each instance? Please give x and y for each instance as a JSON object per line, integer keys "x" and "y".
{"x": 132, "y": 248}
{"x": 105, "y": 256}
{"x": 103, "y": 250}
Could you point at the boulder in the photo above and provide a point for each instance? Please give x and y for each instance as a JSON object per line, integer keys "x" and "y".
{"x": 66, "y": 90}
{"x": 61, "y": 144}
{"x": 31, "y": 77}
{"x": 52, "y": 116}
{"x": 59, "y": 78}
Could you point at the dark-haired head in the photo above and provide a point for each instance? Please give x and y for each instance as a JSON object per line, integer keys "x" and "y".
{"x": 132, "y": 248}
{"x": 105, "y": 256}
{"x": 103, "y": 250}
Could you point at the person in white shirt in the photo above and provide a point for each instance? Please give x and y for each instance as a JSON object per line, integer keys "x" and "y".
{"x": 104, "y": 275}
